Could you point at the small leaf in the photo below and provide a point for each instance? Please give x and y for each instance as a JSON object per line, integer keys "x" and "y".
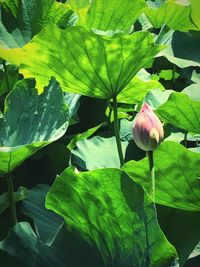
{"x": 156, "y": 97}
{"x": 82, "y": 136}
{"x": 97, "y": 152}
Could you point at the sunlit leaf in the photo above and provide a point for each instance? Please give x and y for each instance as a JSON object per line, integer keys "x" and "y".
{"x": 176, "y": 170}
{"x": 182, "y": 112}
{"x": 114, "y": 14}
{"x": 81, "y": 8}
{"x": 175, "y": 15}
{"x": 138, "y": 87}
{"x": 106, "y": 207}
{"x": 103, "y": 67}
{"x": 195, "y": 8}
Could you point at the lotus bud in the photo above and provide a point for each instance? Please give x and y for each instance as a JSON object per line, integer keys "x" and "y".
{"x": 147, "y": 129}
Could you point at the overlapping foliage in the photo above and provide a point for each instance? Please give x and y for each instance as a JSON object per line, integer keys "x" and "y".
{"x": 67, "y": 70}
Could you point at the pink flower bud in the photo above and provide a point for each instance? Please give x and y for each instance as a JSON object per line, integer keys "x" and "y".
{"x": 147, "y": 129}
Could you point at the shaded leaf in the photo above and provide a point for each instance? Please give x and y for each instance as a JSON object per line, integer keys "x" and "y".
{"x": 25, "y": 249}
{"x": 118, "y": 223}
{"x": 82, "y": 136}
{"x": 4, "y": 200}
{"x": 103, "y": 68}
{"x": 72, "y": 101}
{"x": 193, "y": 91}
{"x": 181, "y": 111}
{"x": 11, "y": 4}
{"x": 32, "y": 125}
{"x": 47, "y": 223}
{"x": 185, "y": 225}
{"x": 31, "y": 17}
{"x": 13, "y": 77}
{"x": 183, "y": 49}
{"x": 156, "y": 97}
{"x": 177, "y": 183}
{"x": 97, "y": 152}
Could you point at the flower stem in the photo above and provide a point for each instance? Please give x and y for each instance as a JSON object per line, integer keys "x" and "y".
{"x": 6, "y": 75}
{"x": 11, "y": 197}
{"x": 151, "y": 175}
{"x": 185, "y": 139}
{"x": 173, "y": 75}
{"x": 116, "y": 129}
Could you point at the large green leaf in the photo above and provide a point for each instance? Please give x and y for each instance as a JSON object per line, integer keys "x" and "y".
{"x": 106, "y": 207}
{"x": 183, "y": 49}
{"x": 177, "y": 173}
{"x": 30, "y": 122}
{"x": 114, "y": 14}
{"x": 31, "y": 17}
{"x": 175, "y": 15}
{"x": 182, "y": 112}
{"x": 103, "y": 67}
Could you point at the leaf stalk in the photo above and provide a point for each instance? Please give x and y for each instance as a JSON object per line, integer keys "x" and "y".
{"x": 151, "y": 175}
{"x": 116, "y": 130}
{"x": 11, "y": 197}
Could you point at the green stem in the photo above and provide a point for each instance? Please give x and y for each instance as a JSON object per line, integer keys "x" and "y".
{"x": 151, "y": 175}
{"x": 173, "y": 76}
{"x": 6, "y": 74}
{"x": 11, "y": 197}
{"x": 116, "y": 129}
{"x": 185, "y": 139}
